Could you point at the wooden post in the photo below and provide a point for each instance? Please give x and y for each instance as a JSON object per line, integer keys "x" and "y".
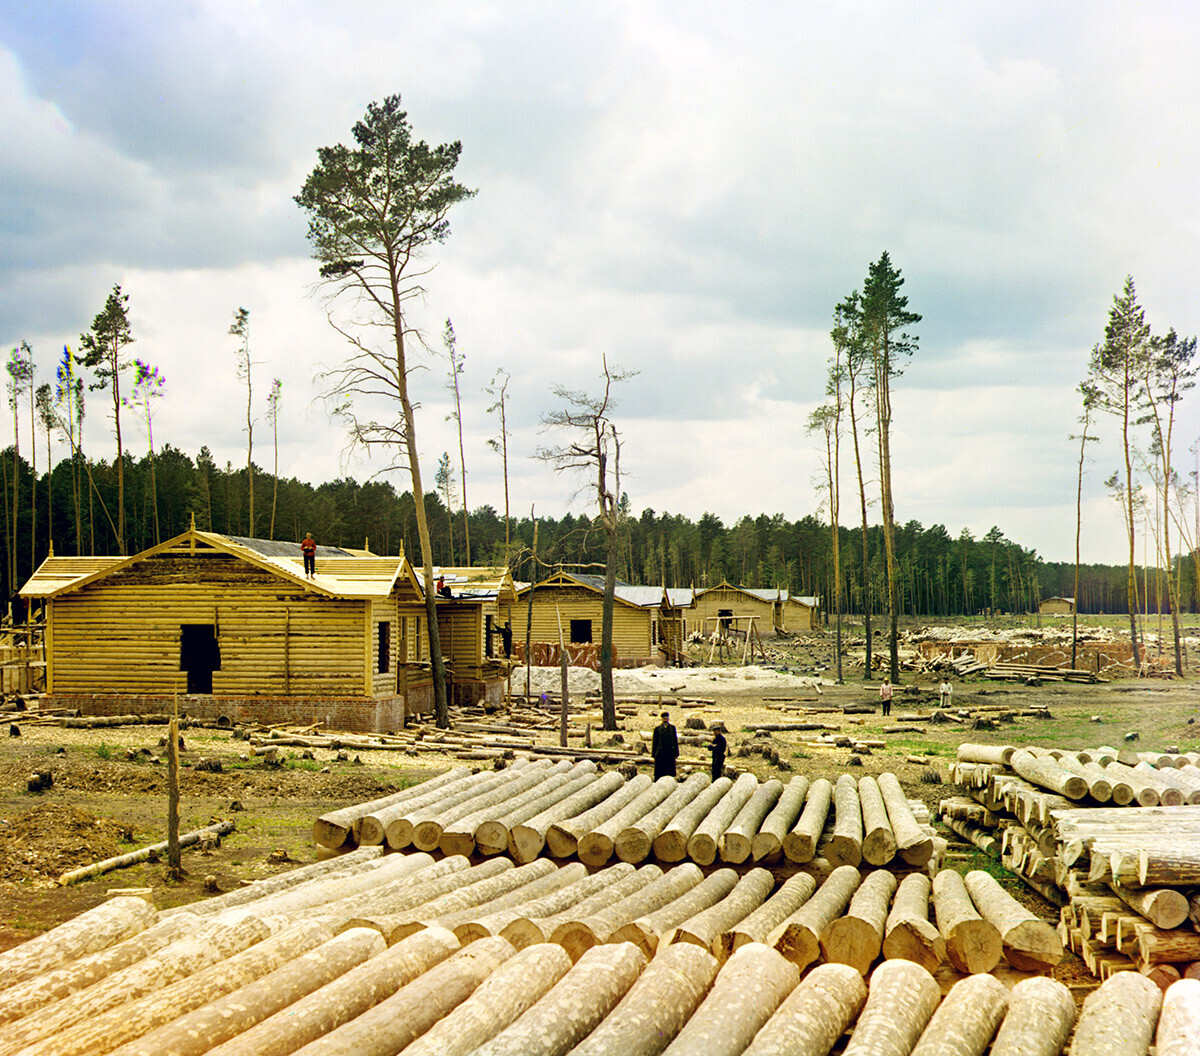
{"x": 174, "y": 856}
{"x": 562, "y": 664}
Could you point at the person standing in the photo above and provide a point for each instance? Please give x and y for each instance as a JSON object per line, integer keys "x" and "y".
{"x": 308, "y": 547}
{"x": 664, "y": 747}
{"x": 945, "y": 693}
{"x": 718, "y": 754}
{"x": 885, "y": 696}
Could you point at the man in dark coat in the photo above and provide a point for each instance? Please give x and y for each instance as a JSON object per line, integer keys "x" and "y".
{"x": 664, "y": 746}
{"x": 718, "y": 754}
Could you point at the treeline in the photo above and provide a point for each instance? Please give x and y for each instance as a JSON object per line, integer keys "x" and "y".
{"x": 939, "y": 574}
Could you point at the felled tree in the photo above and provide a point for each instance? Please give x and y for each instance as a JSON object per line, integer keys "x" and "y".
{"x": 374, "y": 210}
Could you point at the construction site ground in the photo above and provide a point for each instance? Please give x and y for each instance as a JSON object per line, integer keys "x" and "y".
{"x": 109, "y": 792}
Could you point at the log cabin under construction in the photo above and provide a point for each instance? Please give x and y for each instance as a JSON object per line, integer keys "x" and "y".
{"x": 231, "y": 629}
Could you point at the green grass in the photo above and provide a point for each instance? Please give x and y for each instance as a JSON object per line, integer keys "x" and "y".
{"x": 104, "y": 752}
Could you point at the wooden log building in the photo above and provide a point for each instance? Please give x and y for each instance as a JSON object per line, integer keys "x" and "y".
{"x": 233, "y": 629}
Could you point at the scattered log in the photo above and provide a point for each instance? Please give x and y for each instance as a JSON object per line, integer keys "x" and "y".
{"x": 736, "y": 842}
{"x": 767, "y": 843}
{"x": 706, "y": 928}
{"x": 857, "y": 937}
{"x": 702, "y": 844}
{"x": 799, "y": 937}
{"x": 511, "y": 990}
{"x": 747, "y": 991}
{"x": 901, "y": 999}
{"x": 143, "y": 854}
{"x": 92, "y": 930}
{"x": 986, "y": 753}
{"x": 972, "y": 943}
{"x": 756, "y": 927}
{"x": 344, "y": 999}
{"x": 966, "y": 1020}
{"x": 1029, "y": 943}
{"x": 814, "y": 1015}
{"x": 404, "y": 1016}
{"x": 594, "y": 848}
{"x": 645, "y": 931}
{"x": 879, "y": 842}
{"x": 1119, "y": 1018}
{"x": 574, "y": 1006}
{"x": 562, "y": 837}
{"x": 913, "y": 844}
{"x": 801, "y": 843}
{"x": 908, "y": 933}
{"x": 671, "y": 844}
{"x": 845, "y": 845}
{"x": 656, "y": 1007}
{"x": 526, "y": 840}
{"x": 1040, "y": 1015}
{"x": 1179, "y": 1020}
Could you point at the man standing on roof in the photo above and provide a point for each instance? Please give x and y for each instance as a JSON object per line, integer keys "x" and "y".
{"x": 308, "y": 547}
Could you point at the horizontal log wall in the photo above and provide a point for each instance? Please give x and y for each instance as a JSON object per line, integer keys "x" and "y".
{"x": 631, "y": 626}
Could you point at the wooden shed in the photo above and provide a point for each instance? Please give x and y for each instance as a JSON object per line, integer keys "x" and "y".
{"x": 231, "y": 628}
{"x": 798, "y": 613}
{"x": 578, "y": 600}
{"x": 734, "y": 608}
{"x": 1056, "y": 606}
{"x": 475, "y": 612}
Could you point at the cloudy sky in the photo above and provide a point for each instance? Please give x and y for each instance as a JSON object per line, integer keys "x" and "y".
{"x": 687, "y": 188}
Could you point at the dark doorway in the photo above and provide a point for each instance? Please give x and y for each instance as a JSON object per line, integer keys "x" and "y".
{"x": 199, "y": 655}
{"x": 725, "y": 620}
{"x": 581, "y": 631}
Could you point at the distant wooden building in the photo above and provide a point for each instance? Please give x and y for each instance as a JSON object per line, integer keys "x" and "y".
{"x": 735, "y": 608}
{"x": 798, "y": 613}
{"x": 231, "y": 628}
{"x": 1056, "y": 606}
{"x": 475, "y": 629}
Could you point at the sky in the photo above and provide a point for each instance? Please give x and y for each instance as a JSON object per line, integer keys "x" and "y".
{"x": 686, "y": 189}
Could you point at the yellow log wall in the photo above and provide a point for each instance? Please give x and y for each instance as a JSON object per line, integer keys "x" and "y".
{"x": 631, "y": 626}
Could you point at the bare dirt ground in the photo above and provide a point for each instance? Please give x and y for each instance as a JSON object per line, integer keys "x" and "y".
{"x": 108, "y": 797}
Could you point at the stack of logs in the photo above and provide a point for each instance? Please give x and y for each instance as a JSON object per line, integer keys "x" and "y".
{"x": 372, "y": 952}
{"x": 540, "y": 808}
{"x": 1111, "y": 836}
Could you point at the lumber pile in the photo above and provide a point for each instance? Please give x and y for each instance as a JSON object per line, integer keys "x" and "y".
{"x": 1112, "y": 837}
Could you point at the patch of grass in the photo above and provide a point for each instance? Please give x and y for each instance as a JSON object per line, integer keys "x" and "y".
{"x": 104, "y": 752}
{"x": 800, "y": 753}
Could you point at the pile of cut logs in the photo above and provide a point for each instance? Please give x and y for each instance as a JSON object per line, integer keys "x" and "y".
{"x": 1111, "y": 836}
{"x": 388, "y": 953}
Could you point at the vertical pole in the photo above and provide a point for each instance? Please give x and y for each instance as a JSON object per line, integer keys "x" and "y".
{"x": 174, "y": 859}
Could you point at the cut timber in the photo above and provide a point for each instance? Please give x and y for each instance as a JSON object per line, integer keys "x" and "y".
{"x": 986, "y": 753}
{"x": 702, "y": 845}
{"x": 344, "y": 999}
{"x": 511, "y": 990}
{"x": 404, "y": 1016}
{"x": 1046, "y": 773}
{"x": 966, "y": 1020}
{"x": 736, "y": 841}
{"x": 801, "y": 843}
{"x": 1030, "y": 944}
{"x": 556, "y": 901}
{"x": 799, "y": 937}
{"x": 396, "y": 895}
{"x": 879, "y": 842}
{"x": 813, "y": 1016}
{"x": 1119, "y": 1018}
{"x": 908, "y": 933}
{"x": 548, "y": 884}
{"x": 1179, "y": 1021}
{"x": 96, "y": 929}
{"x": 706, "y": 928}
{"x": 972, "y": 943}
{"x": 845, "y": 845}
{"x": 646, "y": 931}
{"x": 1162, "y": 867}
{"x": 756, "y": 927}
{"x": 857, "y": 937}
{"x": 901, "y": 999}
{"x": 914, "y": 845}
{"x": 1164, "y": 907}
{"x": 656, "y": 1007}
{"x": 671, "y": 844}
{"x": 635, "y": 842}
{"x": 767, "y": 844}
{"x": 124, "y": 1024}
{"x": 526, "y": 840}
{"x": 526, "y": 930}
{"x": 363, "y": 823}
{"x": 1040, "y": 1015}
{"x": 578, "y": 935}
{"x": 236, "y": 1011}
{"x": 562, "y": 837}
{"x": 1159, "y": 946}
{"x": 1145, "y": 788}
{"x": 574, "y": 1006}
{"x": 143, "y": 854}
{"x": 492, "y": 836}
{"x": 748, "y": 989}
{"x": 595, "y": 848}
